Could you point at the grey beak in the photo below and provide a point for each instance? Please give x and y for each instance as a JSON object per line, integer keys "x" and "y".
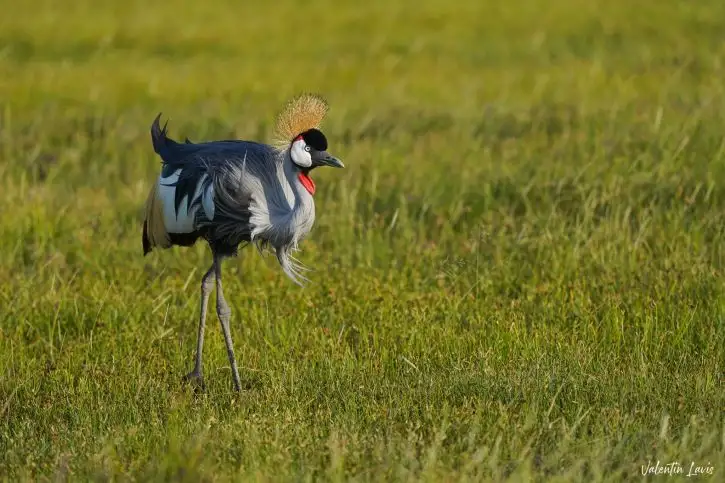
{"x": 324, "y": 158}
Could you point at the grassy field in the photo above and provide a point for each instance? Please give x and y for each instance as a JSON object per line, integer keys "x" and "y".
{"x": 519, "y": 276}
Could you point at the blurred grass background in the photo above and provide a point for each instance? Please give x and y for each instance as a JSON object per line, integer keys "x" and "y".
{"x": 518, "y": 276}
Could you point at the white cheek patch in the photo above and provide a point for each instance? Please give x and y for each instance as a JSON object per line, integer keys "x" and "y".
{"x": 299, "y": 155}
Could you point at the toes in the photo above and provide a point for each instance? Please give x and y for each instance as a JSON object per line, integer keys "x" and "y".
{"x": 237, "y": 386}
{"x": 196, "y": 379}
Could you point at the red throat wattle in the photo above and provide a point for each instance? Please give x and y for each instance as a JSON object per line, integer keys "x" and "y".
{"x": 307, "y": 183}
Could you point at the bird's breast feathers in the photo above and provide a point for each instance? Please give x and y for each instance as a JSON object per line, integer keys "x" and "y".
{"x": 281, "y": 210}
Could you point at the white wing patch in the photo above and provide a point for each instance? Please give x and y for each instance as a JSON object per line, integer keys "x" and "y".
{"x": 183, "y": 221}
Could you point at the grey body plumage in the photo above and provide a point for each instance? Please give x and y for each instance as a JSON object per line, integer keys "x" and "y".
{"x": 232, "y": 193}
{"x": 246, "y": 179}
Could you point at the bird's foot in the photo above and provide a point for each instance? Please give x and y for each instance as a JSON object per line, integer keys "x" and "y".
{"x": 195, "y": 378}
{"x": 237, "y": 383}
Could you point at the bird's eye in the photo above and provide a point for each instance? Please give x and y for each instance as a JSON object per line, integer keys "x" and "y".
{"x": 307, "y": 148}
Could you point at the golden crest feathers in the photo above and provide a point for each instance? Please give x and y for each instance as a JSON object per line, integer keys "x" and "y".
{"x": 303, "y": 112}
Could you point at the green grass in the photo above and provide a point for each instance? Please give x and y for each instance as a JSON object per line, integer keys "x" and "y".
{"x": 519, "y": 276}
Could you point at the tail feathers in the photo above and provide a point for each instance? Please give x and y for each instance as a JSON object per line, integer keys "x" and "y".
{"x": 154, "y": 231}
{"x": 162, "y": 143}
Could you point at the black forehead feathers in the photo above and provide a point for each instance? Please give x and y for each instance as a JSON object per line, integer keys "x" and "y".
{"x": 315, "y": 139}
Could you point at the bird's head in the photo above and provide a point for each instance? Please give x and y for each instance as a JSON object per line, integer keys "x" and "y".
{"x": 308, "y": 150}
{"x": 298, "y": 129}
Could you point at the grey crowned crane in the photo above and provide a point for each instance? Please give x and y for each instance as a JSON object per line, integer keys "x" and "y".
{"x": 232, "y": 193}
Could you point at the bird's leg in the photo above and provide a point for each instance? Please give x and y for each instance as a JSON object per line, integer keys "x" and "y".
{"x": 224, "y": 313}
{"x": 207, "y": 283}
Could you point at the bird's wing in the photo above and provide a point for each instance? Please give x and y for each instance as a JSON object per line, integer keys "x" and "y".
{"x": 203, "y": 168}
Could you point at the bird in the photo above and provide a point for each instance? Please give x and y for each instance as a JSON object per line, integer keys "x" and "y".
{"x": 232, "y": 193}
